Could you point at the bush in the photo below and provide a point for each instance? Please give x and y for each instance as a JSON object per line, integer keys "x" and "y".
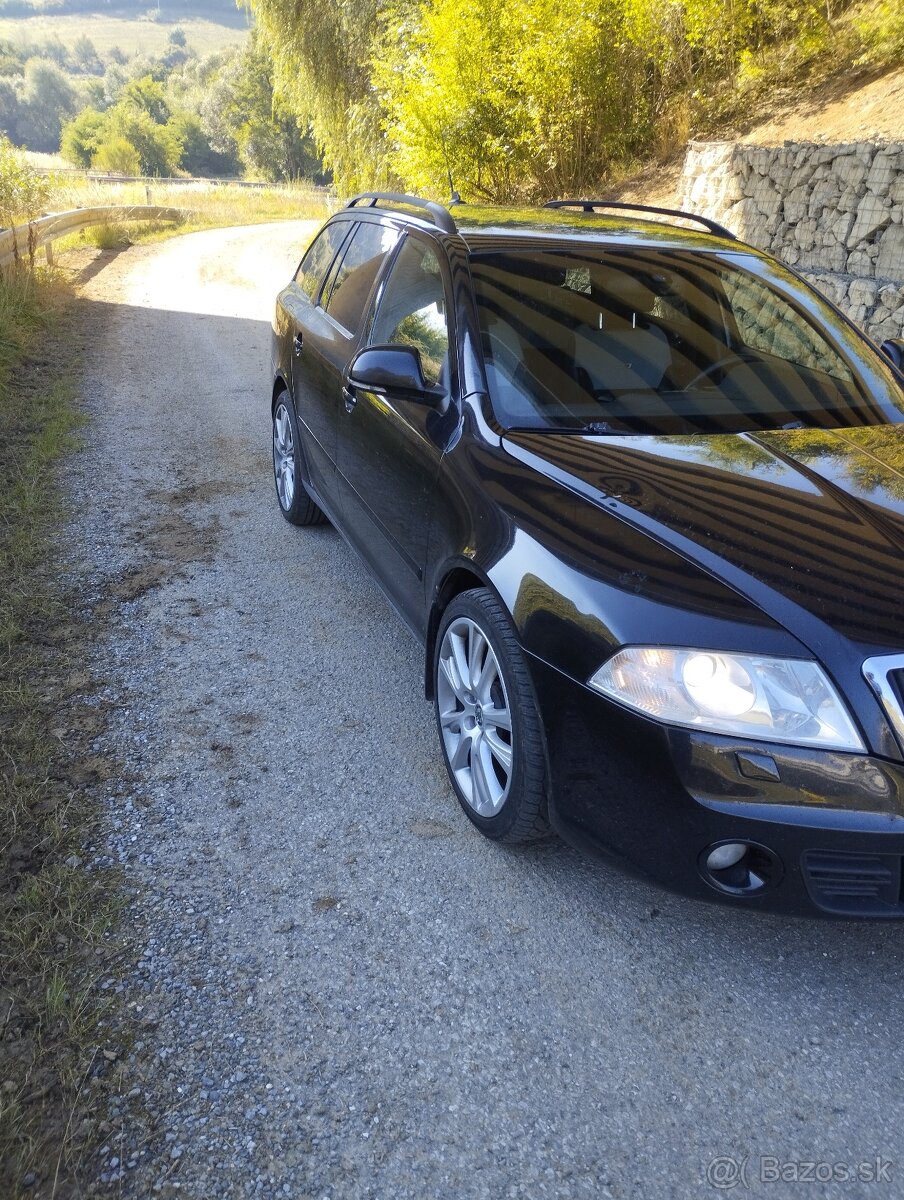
{"x": 81, "y": 137}
{"x": 118, "y": 156}
{"x": 23, "y": 192}
{"x": 881, "y": 27}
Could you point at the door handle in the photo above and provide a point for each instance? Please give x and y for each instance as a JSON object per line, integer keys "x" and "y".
{"x": 349, "y": 397}
{"x": 297, "y": 343}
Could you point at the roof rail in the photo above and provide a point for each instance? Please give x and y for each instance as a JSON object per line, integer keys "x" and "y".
{"x": 590, "y": 206}
{"x": 442, "y": 218}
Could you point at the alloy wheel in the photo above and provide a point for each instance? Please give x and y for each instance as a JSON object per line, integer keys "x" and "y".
{"x": 284, "y": 456}
{"x": 475, "y": 717}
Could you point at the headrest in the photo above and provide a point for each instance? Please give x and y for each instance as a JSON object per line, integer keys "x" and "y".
{"x": 627, "y": 291}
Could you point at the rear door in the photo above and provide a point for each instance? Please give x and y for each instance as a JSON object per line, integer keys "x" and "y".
{"x": 315, "y": 344}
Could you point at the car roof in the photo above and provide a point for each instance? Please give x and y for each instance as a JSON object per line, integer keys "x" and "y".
{"x": 486, "y": 228}
{"x": 478, "y": 225}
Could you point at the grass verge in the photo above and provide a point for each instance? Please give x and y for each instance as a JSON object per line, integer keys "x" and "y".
{"x": 210, "y": 206}
{"x": 54, "y": 911}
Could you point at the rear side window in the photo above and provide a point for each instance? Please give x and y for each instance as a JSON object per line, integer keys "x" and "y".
{"x": 355, "y": 273}
{"x": 320, "y": 254}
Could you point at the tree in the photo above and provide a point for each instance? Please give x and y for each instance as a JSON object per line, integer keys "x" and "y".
{"x": 157, "y": 148}
{"x": 197, "y": 157}
{"x": 117, "y": 155}
{"x": 514, "y": 99}
{"x": 321, "y": 52}
{"x": 48, "y": 99}
{"x": 241, "y": 115}
{"x": 123, "y": 139}
{"x": 54, "y": 49}
{"x": 85, "y": 57}
{"x": 9, "y": 109}
{"x": 146, "y": 96}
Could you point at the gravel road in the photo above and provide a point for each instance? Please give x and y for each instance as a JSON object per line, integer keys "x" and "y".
{"x": 340, "y": 989}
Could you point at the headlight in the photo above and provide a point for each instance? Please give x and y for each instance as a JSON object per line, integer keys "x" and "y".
{"x": 777, "y": 699}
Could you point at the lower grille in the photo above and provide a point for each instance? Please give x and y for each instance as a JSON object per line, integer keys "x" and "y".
{"x": 842, "y": 882}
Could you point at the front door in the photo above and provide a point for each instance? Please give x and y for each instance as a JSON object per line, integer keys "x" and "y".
{"x": 326, "y": 338}
{"x": 389, "y": 448}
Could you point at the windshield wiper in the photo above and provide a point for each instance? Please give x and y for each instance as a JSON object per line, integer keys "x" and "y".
{"x": 592, "y": 427}
{"x": 603, "y": 427}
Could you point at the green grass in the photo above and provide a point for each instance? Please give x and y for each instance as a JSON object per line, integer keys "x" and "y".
{"x": 54, "y": 915}
{"x": 131, "y": 36}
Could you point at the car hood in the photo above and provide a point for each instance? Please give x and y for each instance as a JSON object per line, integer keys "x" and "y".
{"x": 807, "y": 524}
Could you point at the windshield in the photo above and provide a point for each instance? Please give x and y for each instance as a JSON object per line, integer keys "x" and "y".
{"x": 648, "y": 341}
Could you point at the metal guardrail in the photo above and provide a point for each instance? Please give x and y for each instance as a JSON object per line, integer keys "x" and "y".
{"x": 22, "y": 241}
{"x": 158, "y": 180}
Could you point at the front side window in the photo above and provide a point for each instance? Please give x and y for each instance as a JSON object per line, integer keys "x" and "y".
{"x": 412, "y": 310}
{"x": 318, "y": 257}
{"x": 649, "y": 341}
{"x": 345, "y": 297}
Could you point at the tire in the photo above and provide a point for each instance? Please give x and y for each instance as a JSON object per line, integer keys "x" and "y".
{"x": 294, "y": 502}
{"x": 489, "y": 727}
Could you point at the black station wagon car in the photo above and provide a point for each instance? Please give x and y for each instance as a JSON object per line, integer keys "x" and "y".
{"x": 639, "y": 490}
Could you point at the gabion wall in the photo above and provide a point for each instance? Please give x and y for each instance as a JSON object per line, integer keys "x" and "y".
{"x": 835, "y": 213}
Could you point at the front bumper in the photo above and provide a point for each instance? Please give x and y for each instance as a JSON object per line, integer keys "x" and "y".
{"x": 826, "y": 828}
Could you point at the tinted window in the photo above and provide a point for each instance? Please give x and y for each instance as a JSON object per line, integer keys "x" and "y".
{"x": 356, "y": 272}
{"x": 658, "y": 342}
{"x": 765, "y": 321}
{"x": 412, "y": 310}
{"x": 319, "y": 255}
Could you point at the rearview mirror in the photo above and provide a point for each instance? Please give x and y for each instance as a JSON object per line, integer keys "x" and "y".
{"x": 894, "y": 349}
{"x": 393, "y": 369}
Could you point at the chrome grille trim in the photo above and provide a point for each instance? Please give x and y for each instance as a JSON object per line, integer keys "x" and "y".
{"x": 876, "y": 672}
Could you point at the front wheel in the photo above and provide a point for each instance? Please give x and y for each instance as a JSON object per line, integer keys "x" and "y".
{"x": 489, "y": 727}
{"x": 294, "y": 502}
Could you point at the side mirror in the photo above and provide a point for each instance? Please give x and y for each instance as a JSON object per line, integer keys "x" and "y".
{"x": 894, "y": 349}
{"x": 393, "y": 369}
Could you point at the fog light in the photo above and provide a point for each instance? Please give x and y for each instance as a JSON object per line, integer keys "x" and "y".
{"x": 725, "y": 856}
{"x": 740, "y": 868}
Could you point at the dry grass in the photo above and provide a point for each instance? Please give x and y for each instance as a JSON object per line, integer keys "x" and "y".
{"x": 54, "y": 913}
{"x": 207, "y": 206}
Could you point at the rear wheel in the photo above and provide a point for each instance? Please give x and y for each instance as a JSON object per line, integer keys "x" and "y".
{"x": 488, "y": 723}
{"x": 294, "y": 502}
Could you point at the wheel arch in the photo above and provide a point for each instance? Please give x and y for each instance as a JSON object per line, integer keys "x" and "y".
{"x": 280, "y": 385}
{"x": 459, "y": 577}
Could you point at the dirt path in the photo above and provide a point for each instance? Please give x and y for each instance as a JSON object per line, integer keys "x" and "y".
{"x": 337, "y": 988}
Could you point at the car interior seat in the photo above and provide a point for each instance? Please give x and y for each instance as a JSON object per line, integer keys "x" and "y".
{"x": 624, "y": 351}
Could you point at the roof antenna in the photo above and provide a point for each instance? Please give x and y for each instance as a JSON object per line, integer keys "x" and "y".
{"x": 455, "y": 198}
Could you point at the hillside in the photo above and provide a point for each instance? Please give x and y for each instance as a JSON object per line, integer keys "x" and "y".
{"x": 133, "y": 26}
{"x": 222, "y": 12}
{"x": 870, "y": 108}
